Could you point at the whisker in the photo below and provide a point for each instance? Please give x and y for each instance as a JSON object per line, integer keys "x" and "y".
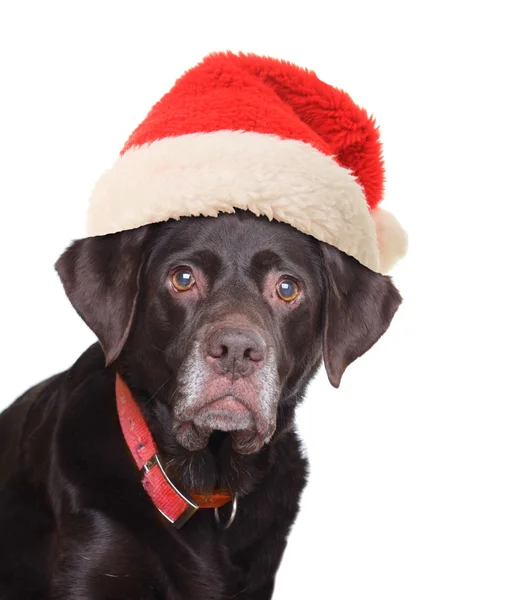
{"x": 165, "y": 382}
{"x": 157, "y": 348}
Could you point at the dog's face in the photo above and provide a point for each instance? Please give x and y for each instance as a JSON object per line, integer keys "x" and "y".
{"x": 234, "y": 304}
{"x": 221, "y": 322}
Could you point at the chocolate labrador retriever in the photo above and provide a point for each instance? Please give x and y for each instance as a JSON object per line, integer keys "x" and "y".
{"x": 216, "y": 326}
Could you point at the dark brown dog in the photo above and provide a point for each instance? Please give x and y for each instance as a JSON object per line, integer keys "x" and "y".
{"x": 217, "y": 326}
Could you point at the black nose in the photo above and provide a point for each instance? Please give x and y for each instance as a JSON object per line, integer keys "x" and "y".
{"x": 238, "y": 352}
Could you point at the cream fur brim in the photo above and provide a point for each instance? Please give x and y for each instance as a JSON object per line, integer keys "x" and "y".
{"x": 211, "y": 173}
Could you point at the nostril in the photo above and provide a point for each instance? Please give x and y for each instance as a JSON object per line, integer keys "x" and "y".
{"x": 218, "y": 350}
{"x": 253, "y": 354}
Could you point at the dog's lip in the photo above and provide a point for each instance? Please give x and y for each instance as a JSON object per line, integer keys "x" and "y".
{"x": 228, "y": 402}
{"x": 227, "y": 413}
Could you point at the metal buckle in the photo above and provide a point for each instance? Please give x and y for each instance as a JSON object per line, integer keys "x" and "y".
{"x": 232, "y": 514}
{"x": 191, "y": 508}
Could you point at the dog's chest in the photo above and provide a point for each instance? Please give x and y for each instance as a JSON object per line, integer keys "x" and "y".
{"x": 167, "y": 566}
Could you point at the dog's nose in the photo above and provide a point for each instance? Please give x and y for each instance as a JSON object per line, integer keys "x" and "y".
{"x": 238, "y": 352}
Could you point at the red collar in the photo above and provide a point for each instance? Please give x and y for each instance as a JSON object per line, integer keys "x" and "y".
{"x": 175, "y": 506}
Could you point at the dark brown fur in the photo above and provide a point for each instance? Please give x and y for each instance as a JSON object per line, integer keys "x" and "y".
{"x": 75, "y": 522}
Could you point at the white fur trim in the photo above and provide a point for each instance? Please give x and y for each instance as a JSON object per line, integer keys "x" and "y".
{"x": 392, "y": 238}
{"x": 211, "y": 173}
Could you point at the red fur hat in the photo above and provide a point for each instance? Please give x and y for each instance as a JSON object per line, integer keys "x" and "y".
{"x": 250, "y": 132}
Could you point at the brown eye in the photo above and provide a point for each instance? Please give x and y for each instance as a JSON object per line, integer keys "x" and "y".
{"x": 183, "y": 280}
{"x": 287, "y": 289}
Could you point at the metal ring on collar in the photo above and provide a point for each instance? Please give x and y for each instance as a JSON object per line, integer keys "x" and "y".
{"x": 232, "y": 514}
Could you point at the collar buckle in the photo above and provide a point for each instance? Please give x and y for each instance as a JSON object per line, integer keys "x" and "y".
{"x": 190, "y": 506}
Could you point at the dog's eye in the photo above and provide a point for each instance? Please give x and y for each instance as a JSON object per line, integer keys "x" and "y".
{"x": 183, "y": 280}
{"x": 287, "y": 289}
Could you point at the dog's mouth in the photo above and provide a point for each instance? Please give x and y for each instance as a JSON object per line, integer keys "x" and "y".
{"x": 225, "y": 414}
{"x": 249, "y": 426}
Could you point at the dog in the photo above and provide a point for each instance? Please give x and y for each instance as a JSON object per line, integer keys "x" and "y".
{"x": 215, "y": 326}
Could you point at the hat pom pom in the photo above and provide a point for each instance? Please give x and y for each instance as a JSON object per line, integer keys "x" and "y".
{"x": 392, "y": 239}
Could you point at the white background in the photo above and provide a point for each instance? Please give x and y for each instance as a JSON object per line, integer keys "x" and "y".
{"x": 413, "y": 492}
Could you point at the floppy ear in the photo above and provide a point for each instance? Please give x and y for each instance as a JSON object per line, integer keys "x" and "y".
{"x": 359, "y": 307}
{"x": 101, "y": 279}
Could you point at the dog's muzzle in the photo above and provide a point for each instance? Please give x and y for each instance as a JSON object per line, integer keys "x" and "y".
{"x": 228, "y": 384}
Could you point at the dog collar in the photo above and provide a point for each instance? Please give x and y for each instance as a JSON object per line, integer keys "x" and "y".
{"x": 175, "y": 506}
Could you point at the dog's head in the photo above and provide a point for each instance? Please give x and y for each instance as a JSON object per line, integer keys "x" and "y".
{"x": 220, "y": 323}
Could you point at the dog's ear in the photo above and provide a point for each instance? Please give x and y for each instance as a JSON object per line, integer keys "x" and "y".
{"x": 358, "y": 309}
{"x": 101, "y": 278}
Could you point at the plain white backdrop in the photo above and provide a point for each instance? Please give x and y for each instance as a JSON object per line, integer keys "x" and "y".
{"x": 414, "y": 489}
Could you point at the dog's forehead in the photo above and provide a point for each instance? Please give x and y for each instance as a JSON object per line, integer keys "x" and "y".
{"x": 239, "y": 238}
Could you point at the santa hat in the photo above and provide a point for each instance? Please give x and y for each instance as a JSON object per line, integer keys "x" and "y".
{"x": 255, "y": 133}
